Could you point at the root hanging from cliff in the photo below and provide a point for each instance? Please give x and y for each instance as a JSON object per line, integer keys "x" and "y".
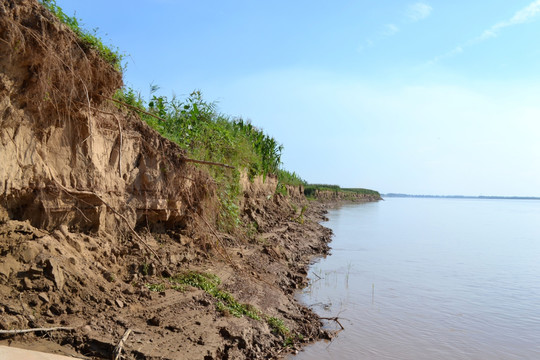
{"x": 122, "y": 217}
{"x": 64, "y": 72}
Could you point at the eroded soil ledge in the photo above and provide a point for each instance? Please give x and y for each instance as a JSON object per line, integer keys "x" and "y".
{"x": 103, "y": 221}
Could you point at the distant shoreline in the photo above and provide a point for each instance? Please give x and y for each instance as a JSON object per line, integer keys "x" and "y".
{"x": 394, "y": 195}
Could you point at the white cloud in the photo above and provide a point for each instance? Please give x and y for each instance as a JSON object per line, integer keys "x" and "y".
{"x": 415, "y": 12}
{"x": 528, "y": 13}
{"x": 390, "y": 29}
{"x": 419, "y": 11}
{"x": 453, "y": 52}
{"x": 522, "y": 16}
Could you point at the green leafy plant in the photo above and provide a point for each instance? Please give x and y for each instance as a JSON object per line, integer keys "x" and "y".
{"x": 277, "y": 326}
{"x": 226, "y": 302}
{"x": 145, "y": 269}
{"x": 196, "y": 126}
{"x": 300, "y": 218}
{"x": 156, "y": 287}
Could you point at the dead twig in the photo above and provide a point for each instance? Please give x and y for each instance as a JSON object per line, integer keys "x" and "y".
{"x": 118, "y": 348}
{"x": 336, "y": 319}
{"x": 22, "y": 331}
{"x": 226, "y": 256}
{"x": 206, "y": 162}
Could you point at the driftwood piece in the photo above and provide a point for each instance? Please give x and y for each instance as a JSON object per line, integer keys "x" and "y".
{"x": 335, "y": 318}
{"x": 118, "y": 348}
{"x": 23, "y": 331}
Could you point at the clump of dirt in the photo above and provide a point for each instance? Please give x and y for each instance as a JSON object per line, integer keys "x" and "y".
{"x": 99, "y": 215}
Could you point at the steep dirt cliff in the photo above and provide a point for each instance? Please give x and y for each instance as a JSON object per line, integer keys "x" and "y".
{"x": 67, "y": 156}
{"x": 100, "y": 217}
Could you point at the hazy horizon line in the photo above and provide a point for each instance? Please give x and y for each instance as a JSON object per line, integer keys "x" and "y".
{"x": 461, "y": 196}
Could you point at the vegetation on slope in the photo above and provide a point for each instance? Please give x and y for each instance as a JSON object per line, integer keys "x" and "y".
{"x": 310, "y": 190}
{"x": 197, "y": 127}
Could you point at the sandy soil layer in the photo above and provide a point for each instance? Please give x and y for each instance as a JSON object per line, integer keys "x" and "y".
{"x": 101, "y": 288}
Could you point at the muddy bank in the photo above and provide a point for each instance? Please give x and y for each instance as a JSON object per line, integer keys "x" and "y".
{"x": 101, "y": 290}
{"x": 105, "y": 226}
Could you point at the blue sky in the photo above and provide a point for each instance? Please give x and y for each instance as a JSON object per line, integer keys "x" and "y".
{"x": 422, "y": 97}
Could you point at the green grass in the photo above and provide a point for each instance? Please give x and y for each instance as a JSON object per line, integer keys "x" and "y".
{"x": 311, "y": 189}
{"x": 155, "y": 287}
{"x": 277, "y": 326}
{"x": 287, "y": 178}
{"x": 290, "y": 178}
{"x": 226, "y": 302}
{"x": 203, "y": 281}
{"x": 89, "y": 39}
{"x": 197, "y": 127}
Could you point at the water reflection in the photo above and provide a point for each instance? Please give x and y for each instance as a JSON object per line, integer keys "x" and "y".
{"x": 431, "y": 279}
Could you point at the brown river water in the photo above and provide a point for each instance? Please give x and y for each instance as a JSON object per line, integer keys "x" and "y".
{"x": 430, "y": 279}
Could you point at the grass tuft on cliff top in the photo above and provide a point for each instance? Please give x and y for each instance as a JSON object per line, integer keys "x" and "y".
{"x": 89, "y": 39}
{"x": 197, "y": 127}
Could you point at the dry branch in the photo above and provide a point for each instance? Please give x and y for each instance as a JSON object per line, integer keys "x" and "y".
{"x": 22, "y": 331}
{"x": 336, "y": 319}
{"x": 206, "y": 162}
{"x": 226, "y": 256}
{"x": 118, "y": 348}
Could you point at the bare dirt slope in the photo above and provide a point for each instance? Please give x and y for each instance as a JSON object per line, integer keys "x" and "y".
{"x": 99, "y": 215}
{"x": 103, "y": 285}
